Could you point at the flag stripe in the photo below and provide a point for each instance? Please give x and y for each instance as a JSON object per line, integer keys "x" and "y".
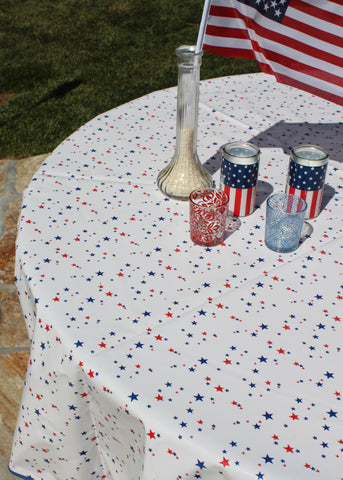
{"x": 297, "y": 45}
{"x": 237, "y": 204}
{"x": 318, "y": 87}
{"x": 312, "y": 197}
{"x": 328, "y": 55}
{"x": 306, "y": 87}
{"x": 231, "y": 52}
{"x": 301, "y": 43}
{"x": 337, "y": 2}
{"x": 313, "y": 203}
{"x": 248, "y": 201}
{"x": 274, "y": 38}
{"x": 218, "y": 31}
{"x": 305, "y": 78}
{"x": 314, "y": 11}
{"x": 241, "y": 200}
{"x": 296, "y": 65}
{"x": 303, "y": 29}
{"x": 311, "y": 30}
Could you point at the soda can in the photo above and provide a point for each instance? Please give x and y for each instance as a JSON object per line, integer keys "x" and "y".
{"x": 306, "y": 176}
{"x": 238, "y": 176}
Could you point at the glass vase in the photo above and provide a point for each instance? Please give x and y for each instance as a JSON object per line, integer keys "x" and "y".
{"x": 185, "y": 173}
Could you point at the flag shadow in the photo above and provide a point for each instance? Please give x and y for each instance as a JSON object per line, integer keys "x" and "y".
{"x": 232, "y": 224}
{"x": 213, "y": 164}
{"x": 263, "y": 190}
{"x": 287, "y": 135}
{"x": 306, "y": 232}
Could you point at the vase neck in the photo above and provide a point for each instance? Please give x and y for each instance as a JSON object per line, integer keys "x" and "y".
{"x": 187, "y": 100}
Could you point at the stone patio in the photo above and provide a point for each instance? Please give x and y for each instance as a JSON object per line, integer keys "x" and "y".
{"x": 15, "y": 175}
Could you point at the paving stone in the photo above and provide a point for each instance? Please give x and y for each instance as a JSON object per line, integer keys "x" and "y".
{"x": 15, "y": 175}
{"x": 3, "y": 169}
{"x": 25, "y": 170}
{"x": 13, "y": 334}
{"x": 7, "y": 244}
{"x": 12, "y": 373}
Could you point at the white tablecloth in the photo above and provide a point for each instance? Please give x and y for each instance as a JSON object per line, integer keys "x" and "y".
{"x": 152, "y": 357}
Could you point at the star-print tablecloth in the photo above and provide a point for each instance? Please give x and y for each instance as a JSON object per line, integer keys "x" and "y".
{"x": 153, "y": 358}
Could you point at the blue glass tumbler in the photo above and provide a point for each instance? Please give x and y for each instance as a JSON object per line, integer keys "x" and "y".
{"x": 284, "y": 222}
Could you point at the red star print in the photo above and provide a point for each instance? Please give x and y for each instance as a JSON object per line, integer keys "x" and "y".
{"x": 288, "y": 449}
{"x": 225, "y": 462}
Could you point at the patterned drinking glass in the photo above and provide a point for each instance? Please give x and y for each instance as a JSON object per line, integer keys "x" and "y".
{"x": 284, "y": 222}
{"x": 208, "y": 210}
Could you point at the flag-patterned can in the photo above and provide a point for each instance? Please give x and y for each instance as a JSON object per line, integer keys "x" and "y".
{"x": 306, "y": 176}
{"x": 239, "y": 172}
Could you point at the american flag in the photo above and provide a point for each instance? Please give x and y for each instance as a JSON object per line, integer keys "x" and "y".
{"x": 299, "y": 41}
{"x": 308, "y": 183}
{"x": 239, "y": 182}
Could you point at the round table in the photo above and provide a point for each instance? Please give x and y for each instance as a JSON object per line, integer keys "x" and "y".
{"x": 152, "y": 357}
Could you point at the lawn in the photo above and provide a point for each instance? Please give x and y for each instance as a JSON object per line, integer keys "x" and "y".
{"x": 64, "y": 62}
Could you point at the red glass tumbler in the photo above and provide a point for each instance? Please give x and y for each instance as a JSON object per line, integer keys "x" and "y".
{"x": 208, "y": 210}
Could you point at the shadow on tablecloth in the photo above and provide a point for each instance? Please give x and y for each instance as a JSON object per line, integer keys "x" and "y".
{"x": 287, "y": 135}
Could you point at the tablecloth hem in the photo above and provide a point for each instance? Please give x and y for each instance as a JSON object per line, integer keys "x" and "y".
{"x": 20, "y": 476}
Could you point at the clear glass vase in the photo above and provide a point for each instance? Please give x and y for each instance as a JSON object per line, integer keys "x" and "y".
{"x": 185, "y": 173}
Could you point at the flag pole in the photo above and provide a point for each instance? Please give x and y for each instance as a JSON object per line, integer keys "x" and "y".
{"x": 201, "y": 33}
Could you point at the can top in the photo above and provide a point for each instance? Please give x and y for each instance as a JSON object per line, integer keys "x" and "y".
{"x": 309, "y": 155}
{"x": 243, "y": 153}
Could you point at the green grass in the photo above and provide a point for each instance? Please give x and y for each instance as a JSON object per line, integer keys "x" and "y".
{"x": 66, "y": 61}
